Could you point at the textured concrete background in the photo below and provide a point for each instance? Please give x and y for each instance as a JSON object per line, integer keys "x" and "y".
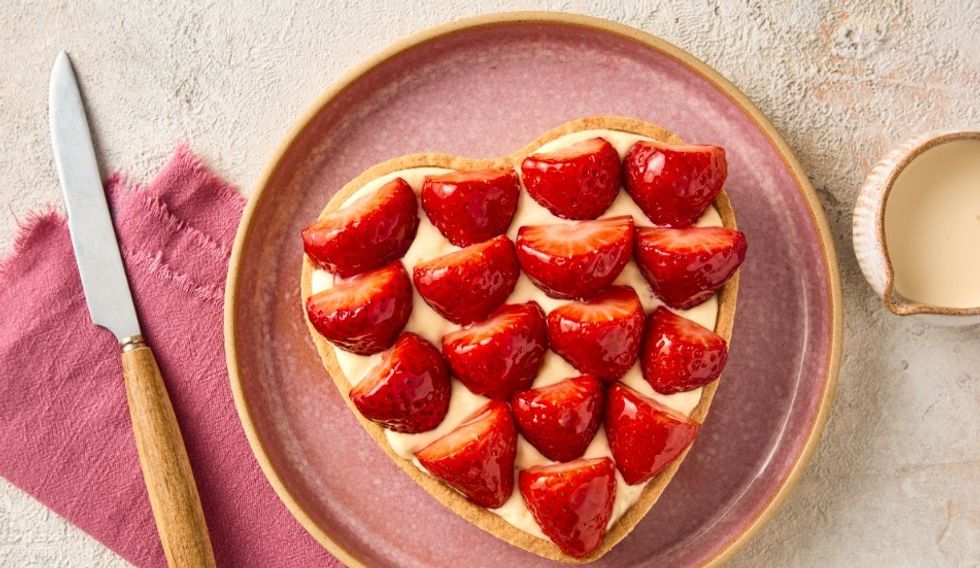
{"x": 896, "y": 481}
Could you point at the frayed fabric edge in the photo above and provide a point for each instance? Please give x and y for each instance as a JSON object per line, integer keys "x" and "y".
{"x": 49, "y": 215}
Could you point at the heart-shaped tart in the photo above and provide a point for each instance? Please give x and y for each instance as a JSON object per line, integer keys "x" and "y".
{"x": 534, "y": 339}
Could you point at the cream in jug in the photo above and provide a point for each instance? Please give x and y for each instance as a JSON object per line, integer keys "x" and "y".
{"x": 932, "y": 226}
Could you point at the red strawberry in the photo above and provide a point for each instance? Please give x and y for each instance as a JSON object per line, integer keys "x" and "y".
{"x": 679, "y": 354}
{"x": 572, "y": 502}
{"x": 471, "y": 207}
{"x": 477, "y": 458}
{"x": 577, "y": 182}
{"x": 409, "y": 390}
{"x": 560, "y": 420}
{"x": 501, "y": 355}
{"x": 645, "y": 436}
{"x": 371, "y": 232}
{"x": 364, "y": 314}
{"x": 575, "y": 260}
{"x": 601, "y": 336}
{"x": 686, "y": 266}
{"x": 674, "y": 184}
{"x": 467, "y": 285}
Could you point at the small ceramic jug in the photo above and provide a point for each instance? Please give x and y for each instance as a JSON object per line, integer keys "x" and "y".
{"x": 869, "y": 232}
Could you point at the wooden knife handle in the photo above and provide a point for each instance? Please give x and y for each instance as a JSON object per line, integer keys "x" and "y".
{"x": 163, "y": 458}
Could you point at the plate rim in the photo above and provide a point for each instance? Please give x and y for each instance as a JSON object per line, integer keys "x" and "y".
{"x": 644, "y": 40}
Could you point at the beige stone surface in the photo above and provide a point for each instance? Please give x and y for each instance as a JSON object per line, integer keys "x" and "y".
{"x": 895, "y": 482}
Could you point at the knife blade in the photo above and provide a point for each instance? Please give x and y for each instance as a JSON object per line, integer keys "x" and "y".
{"x": 163, "y": 458}
{"x": 100, "y": 265}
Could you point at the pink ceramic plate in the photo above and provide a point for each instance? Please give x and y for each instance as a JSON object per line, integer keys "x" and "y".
{"x": 483, "y": 88}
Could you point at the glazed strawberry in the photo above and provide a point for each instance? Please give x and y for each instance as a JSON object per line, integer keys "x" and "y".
{"x": 674, "y": 184}
{"x": 467, "y": 285}
{"x": 601, "y": 336}
{"x": 577, "y": 182}
{"x": 501, "y": 355}
{"x": 572, "y": 502}
{"x": 366, "y": 313}
{"x": 679, "y": 354}
{"x": 371, "y": 232}
{"x": 645, "y": 436}
{"x": 471, "y": 207}
{"x": 409, "y": 390}
{"x": 560, "y": 420}
{"x": 575, "y": 260}
{"x": 477, "y": 458}
{"x": 685, "y": 267}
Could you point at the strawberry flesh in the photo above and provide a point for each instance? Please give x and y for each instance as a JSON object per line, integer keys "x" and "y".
{"x": 500, "y": 355}
{"x": 477, "y": 458}
{"x": 674, "y": 184}
{"x": 685, "y": 267}
{"x": 469, "y": 207}
{"x": 370, "y": 232}
{"x": 572, "y": 502}
{"x": 366, "y": 313}
{"x": 578, "y": 182}
{"x": 645, "y": 436}
{"x": 575, "y": 260}
{"x": 600, "y": 336}
{"x": 467, "y": 285}
{"x": 409, "y": 390}
{"x": 560, "y": 420}
{"x": 679, "y": 354}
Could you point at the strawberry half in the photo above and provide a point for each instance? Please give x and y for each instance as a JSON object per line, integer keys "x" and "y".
{"x": 409, "y": 390}
{"x": 577, "y": 182}
{"x": 467, "y": 285}
{"x": 674, "y": 184}
{"x": 471, "y": 207}
{"x": 601, "y": 336}
{"x": 477, "y": 458}
{"x": 501, "y": 355}
{"x": 575, "y": 260}
{"x": 679, "y": 354}
{"x": 366, "y": 313}
{"x": 370, "y": 232}
{"x": 685, "y": 267}
{"x": 645, "y": 436}
{"x": 560, "y": 420}
{"x": 572, "y": 502}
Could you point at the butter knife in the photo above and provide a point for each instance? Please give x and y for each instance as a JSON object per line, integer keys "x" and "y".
{"x": 163, "y": 457}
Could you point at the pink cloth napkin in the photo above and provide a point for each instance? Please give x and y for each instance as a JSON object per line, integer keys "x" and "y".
{"x": 65, "y": 433}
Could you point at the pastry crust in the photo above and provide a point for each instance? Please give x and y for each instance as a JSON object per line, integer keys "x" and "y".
{"x": 475, "y": 514}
